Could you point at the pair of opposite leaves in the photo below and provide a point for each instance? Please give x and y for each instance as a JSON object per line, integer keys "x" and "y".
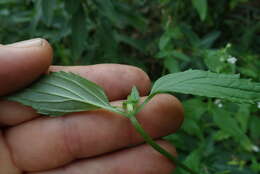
{"x": 60, "y": 92}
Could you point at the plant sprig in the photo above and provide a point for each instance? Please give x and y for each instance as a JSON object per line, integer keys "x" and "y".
{"x": 61, "y": 93}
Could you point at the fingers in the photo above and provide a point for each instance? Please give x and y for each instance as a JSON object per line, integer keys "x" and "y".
{"x": 12, "y": 113}
{"x": 137, "y": 160}
{"x": 87, "y": 134}
{"x": 117, "y": 81}
{"x": 21, "y": 63}
{"x": 6, "y": 164}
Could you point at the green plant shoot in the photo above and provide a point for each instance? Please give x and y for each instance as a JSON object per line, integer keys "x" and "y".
{"x": 61, "y": 93}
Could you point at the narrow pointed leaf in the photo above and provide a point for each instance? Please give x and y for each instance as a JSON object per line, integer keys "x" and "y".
{"x": 134, "y": 96}
{"x": 60, "y": 93}
{"x": 78, "y": 32}
{"x": 201, "y": 6}
{"x": 208, "y": 84}
{"x": 48, "y": 7}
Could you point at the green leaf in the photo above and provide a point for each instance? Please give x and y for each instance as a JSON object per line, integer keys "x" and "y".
{"x": 255, "y": 166}
{"x": 2, "y": 2}
{"x": 48, "y": 7}
{"x": 164, "y": 40}
{"x": 194, "y": 160}
{"x": 130, "y": 15}
{"x": 209, "y": 39}
{"x": 243, "y": 116}
{"x": 208, "y": 84}
{"x": 79, "y": 33}
{"x": 36, "y": 18}
{"x": 215, "y": 60}
{"x": 194, "y": 108}
{"x": 134, "y": 96}
{"x": 172, "y": 53}
{"x": 221, "y": 135}
{"x": 71, "y": 6}
{"x": 229, "y": 125}
{"x": 191, "y": 127}
{"x": 192, "y": 37}
{"x": 171, "y": 65}
{"x": 60, "y": 93}
{"x": 201, "y": 6}
{"x": 135, "y": 43}
{"x": 132, "y": 99}
{"x": 254, "y": 127}
{"x": 107, "y": 9}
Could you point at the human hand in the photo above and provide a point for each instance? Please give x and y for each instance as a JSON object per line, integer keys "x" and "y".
{"x": 95, "y": 142}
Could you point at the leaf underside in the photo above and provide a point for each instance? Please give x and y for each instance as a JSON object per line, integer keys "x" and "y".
{"x": 208, "y": 84}
{"x": 60, "y": 93}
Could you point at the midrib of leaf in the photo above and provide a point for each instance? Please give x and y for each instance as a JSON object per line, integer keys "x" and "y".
{"x": 51, "y": 109}
{"x": 192, "y": 78}
{"x": 61, "y": 110}
{"x": 228, "y": 77}
{"x": 66, "y": 89}
{"x": 48, "y": 101}
{"x": 180, "y": 89}
{"x": 215, "y": 84}
{"x": 64, "y": 96}
{"x": 74, "y": 99}
{"x": 84, "y": 88}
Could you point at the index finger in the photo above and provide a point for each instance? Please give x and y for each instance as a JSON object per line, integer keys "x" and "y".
{"x": 22, "y": 63}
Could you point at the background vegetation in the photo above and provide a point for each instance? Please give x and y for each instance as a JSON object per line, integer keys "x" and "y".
{"x": 162, "y": 36}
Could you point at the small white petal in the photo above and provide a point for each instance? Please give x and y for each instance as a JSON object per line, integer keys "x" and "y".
{"x": 217, "y": 101}
{"x": 255, "y": 148}
{"x": 220, "y": 105}
{"x": 232, "y": 60}
{"x": 258, "y": 105}
{"x": 228, "y": 45}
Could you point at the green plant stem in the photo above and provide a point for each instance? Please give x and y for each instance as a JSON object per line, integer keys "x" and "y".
{"x": 157, "y": 147}
{"x": 131, "y": 113}
{"x": 138, "y": 109}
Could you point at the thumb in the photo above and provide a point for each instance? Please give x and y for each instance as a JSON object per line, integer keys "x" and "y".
{"x": 23, "y": 62}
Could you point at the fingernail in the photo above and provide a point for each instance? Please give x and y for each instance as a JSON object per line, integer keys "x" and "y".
{"x": 37, "y": 42}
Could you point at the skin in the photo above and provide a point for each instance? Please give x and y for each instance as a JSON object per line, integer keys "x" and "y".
{"x": 95, "y": 142}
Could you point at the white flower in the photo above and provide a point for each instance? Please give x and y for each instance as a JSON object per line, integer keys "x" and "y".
{"x": 232, "y": 60}
{"x": 228, "y": 45}
{"x": 258, "y": 105}
{"x": 218, "y": 103}
{"x": 255, "y": 148}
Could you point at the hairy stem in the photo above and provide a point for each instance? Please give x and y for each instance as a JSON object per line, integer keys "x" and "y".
{"x": 131, "y": 113}
{"x": 156, "y": 146}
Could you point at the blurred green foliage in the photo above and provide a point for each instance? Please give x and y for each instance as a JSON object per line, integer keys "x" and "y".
{"x": 162, "y": 36}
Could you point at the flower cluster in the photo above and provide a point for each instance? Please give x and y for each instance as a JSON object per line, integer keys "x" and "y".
{"x": 231, "y": 60}
{"x": 218, "y": 103}
{"x": 255, "y": 148}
